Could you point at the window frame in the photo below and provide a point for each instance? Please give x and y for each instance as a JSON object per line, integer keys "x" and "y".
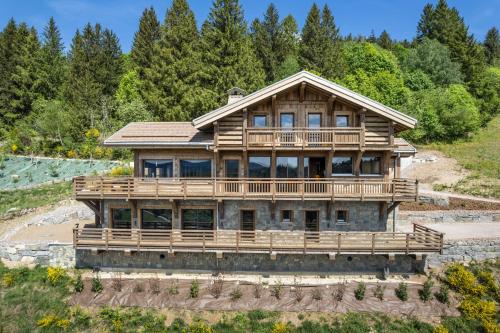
{"x": 149, "y": 160}
{"x": 259, "y": 116}
{"x": 226, "y": 160}
{"x": 195, "y": 159}
{"x": 348, "y": 117}
{"x": 320, "y": 114}
{"x": 214, "y": 218}
{"x": 337, "y": 210}
{"x": 140, "y": 215}
{"x": 282, "y": 220}
{"x": 259, "y": 156}
{"x": 380, "y": 172}
{"x": 287, "y": 168}
{"x": 111, "y": 221}
{"x": 288, "y": 114}
{"x": 254, "y": 215}
{"x": 343, "y": 174}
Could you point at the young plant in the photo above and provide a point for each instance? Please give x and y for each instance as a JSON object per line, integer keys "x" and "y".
{"x": 257, "y": 290}
{"x": 138, "y": 287}
{"x": 359, "y": 292}
{"x": 402, "y": 291}
{"x": 173, "y": 288}
{"x": 117, "y": 283}
{"x": 316, "y": 294}
{"x": 79, "y": 286}
{"x": 298, "y": 291}
{"x": 216, "y": 286}
{"x": 96, "y": 284}
{"x": 379, "y": 292}
{"x": 277, "y": 289}
{"x": 236, "y": 294}
{"x": 426, "y": 292}
{"x": 338, "y": 293}
{"x": 194, "y": 289}
{"x": 154, "y": 285}
{"x": 443, "y": 294}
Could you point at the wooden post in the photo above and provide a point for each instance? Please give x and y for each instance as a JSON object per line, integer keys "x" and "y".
{"x": 373, "y": 243}
{"x": 391, "y": 133}
{"x": 245, "y": 127}
{"x": 273, "y": 111}
{"x": 106, "y": 231}
{"x": 339, "y": 243}
{"x": 407, "y": 243}
{"x": 216, "y": 133}
{"x": 362, "y": 124}
{"x": 302, "y": 92}
{"x": 329, "y": 111}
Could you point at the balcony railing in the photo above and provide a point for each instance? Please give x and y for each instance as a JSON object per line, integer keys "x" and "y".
{"x": 421, "y": 240}
{"x": 247, "y": 188}
{"x": 301, "y": 138}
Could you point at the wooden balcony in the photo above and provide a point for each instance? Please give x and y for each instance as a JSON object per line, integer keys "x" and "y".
{"x": 305, "y": 138}
{"x": 248, "y": 188}
{"x": 421, "y": 241}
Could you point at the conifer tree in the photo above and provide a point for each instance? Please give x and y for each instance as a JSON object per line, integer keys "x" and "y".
{"x": 384, "y": 40}
{"x": 310, "y": 47}
{"x": 333, "y": 65}
{"x": 290, "y": 35}
{"x": 145, "y": 40}
{"x": 229, "y": 58}
{"x": 52, "y": 63}
{"x": 492, "y": 46}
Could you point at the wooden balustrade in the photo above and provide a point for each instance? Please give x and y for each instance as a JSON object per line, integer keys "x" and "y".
{"x": 419, "y": 241}
{"x": 314, "y": 138}
{"x": 243, "y": 188}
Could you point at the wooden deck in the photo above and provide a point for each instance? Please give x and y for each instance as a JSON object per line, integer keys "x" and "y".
{"x": 238, "y": 188}
{"x": 421, "y": 241}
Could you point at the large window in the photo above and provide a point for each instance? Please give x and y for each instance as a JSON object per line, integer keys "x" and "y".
{"x": 196, "y": 168}
{"x": 287, "y": 120}
{"x": 158, "y": 168}
{"x": 287, "y": 167}
{"x": 121, "y": 218}
{"x": 342, "y": 121}
{"x": 371, "y": 165}
{"x": 314, "y": 120}
{"x": 342, "y": 165}
{"x": 259, "y": 167}
{"x": 259, "y": 121}
{"x": 232, "y": 168}
{"x": 197, "y": 219}
{"x": 153, "y": 218}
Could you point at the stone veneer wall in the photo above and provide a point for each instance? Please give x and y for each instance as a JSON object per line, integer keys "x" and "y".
{"x": 465, "y": 251}
{"x": 61, "y": 255}
{"x": 363, "y": 216}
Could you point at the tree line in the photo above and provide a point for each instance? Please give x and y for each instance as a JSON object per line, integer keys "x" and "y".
{"x": 57, "y": 101}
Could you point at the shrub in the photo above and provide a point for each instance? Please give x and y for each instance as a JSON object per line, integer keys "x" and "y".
{"x": 277, "y": 289}
{"x": 487, "y": 279}
{"x": 257, "y": 289}
{"x": 55, "y": 275}
{"x": 53, "y": 170}
{"x": 440, "y": 329}
{"x": 463, "y": 281}
{"x": 236, "y": 294}
{"x": 194, "y": 289}
{"x": 298, "y": 291}
{"x": 316, "y": 294}
{"x": 402, "y": 291}
{"x": 154, "y": 285}
{"x": 198, "y": 327}
{"x": 96, "y": 284}
{"x": 281, "y": 327}
{"x": 173, "y": 288}
{"x": 121, "y": 171}
{"x": 338, "y": 293}
{"x": 359, "y": 292}
{"x": 79, "y": 286}
{"x": 484, "y": 311}
{"x": 216, "y": 286}
{"x": 443, "y": 294}
{"x": 8, "y": 280}
{"x": 426, "y": 292}
{"x": 379, "y": 292}
{"x": 138, "y": 287}
{"x": 116, "y": 282}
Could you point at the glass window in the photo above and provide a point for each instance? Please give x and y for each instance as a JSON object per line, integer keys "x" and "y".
{"x": 287, "y": 167}
{"x": 196, "y": 168}
{"x": 156, "y": 218}
{"x": 341, "y": 216}
{"x": 286, "y": 216}
{"x": 121, "y": 218}
{"x": 197, "y": 219}
{"x": 342, "y": 165}
{"x": 232, "y": 168}
{"x": 158, "y": 168}
{"x": 370, "y": 165}
{"x": 259, "y": 121}
{"x": 259, "y": 167}
{"x": 248, "y": 220}
{"x": 342, "y": 121}
{"x": 314, "y": 120}
{"x": 286, "y": 120}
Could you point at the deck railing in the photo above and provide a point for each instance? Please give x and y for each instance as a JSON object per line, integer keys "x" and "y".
{"x": 329, "y": 137}
{"x": 243, "y": 188}
{"x": 421, "y": 240}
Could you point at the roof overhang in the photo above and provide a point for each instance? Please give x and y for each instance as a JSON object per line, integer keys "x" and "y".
{"x": 404, "y": 121}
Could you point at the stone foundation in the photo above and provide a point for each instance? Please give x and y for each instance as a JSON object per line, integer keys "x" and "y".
{"x": 249, "y": 263}
{"x": 465, "y": 251}
{"x": 61, "y": 255}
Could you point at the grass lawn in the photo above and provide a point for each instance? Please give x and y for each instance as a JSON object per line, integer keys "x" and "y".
{"x": 35, "y": 197}
{"x": 481, "y": 155}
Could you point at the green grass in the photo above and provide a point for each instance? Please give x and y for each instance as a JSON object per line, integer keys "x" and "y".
{"x": 35, "y": 197}
{"x": 481, "y": 155}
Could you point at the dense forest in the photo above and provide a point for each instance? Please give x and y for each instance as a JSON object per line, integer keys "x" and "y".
{"x": 64, "y": 102}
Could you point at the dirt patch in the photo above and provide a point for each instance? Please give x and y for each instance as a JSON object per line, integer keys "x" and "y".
{"x": 454, "y": 204}
{"x": 434, "y": 168}
{"x": 391, "y": 305}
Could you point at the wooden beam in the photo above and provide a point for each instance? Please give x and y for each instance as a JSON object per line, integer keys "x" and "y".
{"x": 329, "y": 111}
{"x": 302, "y": 92}
{"x": 245, "y": 126}
{"x": 391, "y": 133}
{"x": 357, "y": 163}
{"x": 216, "y": 133}
{"x": 392, "y": 207}
{"x": 273, "y": 111}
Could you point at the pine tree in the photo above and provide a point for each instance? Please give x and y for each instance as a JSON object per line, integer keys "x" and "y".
{"x": 172, "y": 86}
{"x": 52, "y": 63}
{"x": 290, "y": 35}
{"x": 333, "y": 65}
{"x": 492, "y": 46}
{"x": 424, "y": 27}
{"x": 229, "y": 58}
{"x": 145, "y": 39}
{"x": 384, "y": 40}
{"x": 310, "y": 54}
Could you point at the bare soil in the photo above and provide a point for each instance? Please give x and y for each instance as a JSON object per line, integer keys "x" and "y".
{"x": 288, "y": 302}
{"x": 454, "y": 204}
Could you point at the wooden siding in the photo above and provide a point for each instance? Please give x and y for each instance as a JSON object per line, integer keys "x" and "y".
{"x": 421, "y": 241}
{"x": 230, "y": 130}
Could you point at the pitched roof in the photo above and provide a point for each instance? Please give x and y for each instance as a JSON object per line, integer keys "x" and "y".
{"x": 154, "y": 134}
{"x": 400, "y": 118}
